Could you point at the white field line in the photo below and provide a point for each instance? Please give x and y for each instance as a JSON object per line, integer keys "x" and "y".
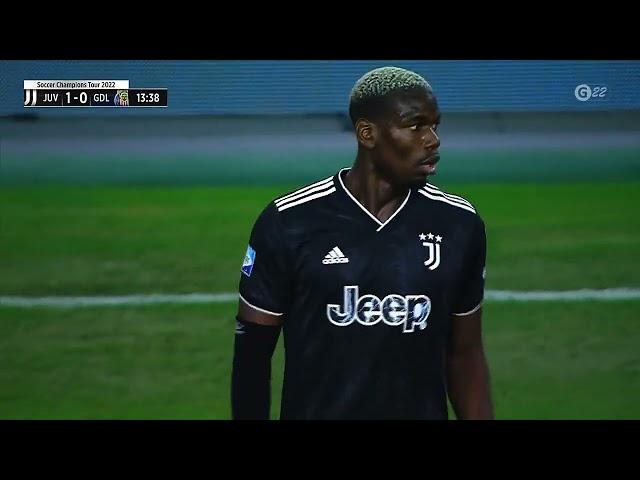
{"x": 608, "y": 294}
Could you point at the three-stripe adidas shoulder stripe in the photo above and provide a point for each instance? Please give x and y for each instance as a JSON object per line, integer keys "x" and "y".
{"x": 316, "y": 190}
{"x": 434, "y": 193}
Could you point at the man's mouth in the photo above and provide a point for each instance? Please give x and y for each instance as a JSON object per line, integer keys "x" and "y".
{"x": 432, "y": 160}
{"x": 428, "y": 165}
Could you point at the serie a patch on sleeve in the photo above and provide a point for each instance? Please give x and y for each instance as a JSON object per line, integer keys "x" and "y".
{"x": 249, "y": 260}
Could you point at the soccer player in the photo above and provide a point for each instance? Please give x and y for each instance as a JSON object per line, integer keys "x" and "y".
{"x": 374, "y": 276}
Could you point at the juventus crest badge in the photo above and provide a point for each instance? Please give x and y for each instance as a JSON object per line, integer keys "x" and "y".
{"x": 434, "y": 249}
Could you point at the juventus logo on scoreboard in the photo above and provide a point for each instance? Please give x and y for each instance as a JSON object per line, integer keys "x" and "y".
{"x": 30, "y": 97}
{"x": 434, "y": 249}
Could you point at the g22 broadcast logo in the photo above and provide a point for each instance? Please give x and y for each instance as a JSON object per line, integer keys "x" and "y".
{"x": 584, "y": 92}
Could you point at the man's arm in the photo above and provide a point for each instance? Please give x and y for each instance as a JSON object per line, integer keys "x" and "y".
{"x": 264, "y": 289}
{"x": 467, "y": 370}
{"x": 255, "y": 340}
{"x": 256, "y": 337}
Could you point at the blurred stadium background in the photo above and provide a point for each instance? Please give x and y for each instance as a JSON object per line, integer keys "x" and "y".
{"x": 115, "y": 202}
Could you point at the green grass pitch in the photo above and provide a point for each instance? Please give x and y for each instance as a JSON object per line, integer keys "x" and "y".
{"x": 548, "y": 359}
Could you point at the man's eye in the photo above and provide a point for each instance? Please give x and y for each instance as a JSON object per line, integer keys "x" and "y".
{"x": 420, "y": 126}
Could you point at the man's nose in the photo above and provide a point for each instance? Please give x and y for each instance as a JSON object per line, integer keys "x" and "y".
{"x": 432, "y": 140}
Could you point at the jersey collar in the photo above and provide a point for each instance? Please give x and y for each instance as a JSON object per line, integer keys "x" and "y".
{"x": 381, "y": 225}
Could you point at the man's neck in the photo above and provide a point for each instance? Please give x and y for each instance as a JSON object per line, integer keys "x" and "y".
{"x": 374, "y": 193}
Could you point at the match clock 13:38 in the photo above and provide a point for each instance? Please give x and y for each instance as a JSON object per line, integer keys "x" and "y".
{"x": 147, "y": 97}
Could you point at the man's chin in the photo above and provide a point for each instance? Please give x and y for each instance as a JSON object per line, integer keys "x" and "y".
{"x": 419, "y": 180}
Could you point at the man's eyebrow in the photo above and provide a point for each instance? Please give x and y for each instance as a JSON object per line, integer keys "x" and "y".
{"x": 413, "y": 116}
{"x": 418, "y": 116}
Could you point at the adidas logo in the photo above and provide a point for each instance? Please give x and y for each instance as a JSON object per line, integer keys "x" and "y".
{"x": 335, "y": 256}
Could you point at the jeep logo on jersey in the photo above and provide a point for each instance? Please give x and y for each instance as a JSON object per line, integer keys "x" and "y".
{"x": 410, "y": 311}
{"x": 434, "y": 250}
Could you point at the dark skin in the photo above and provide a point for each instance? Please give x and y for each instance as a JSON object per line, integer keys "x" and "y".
{"x": 396, "y": 152}
{"x": 468, "y": 381}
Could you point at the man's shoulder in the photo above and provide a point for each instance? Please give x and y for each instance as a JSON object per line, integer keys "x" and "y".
{"x": 303, "y": 198}
{"x": 297, "y": 205}
{"x": 450, "y": 203}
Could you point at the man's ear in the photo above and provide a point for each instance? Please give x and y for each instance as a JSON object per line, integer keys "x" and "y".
{"x": 366, "y": 133}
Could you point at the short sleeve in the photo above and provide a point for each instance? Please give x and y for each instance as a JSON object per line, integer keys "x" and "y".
{"x": 470, "y": 291}
{"x": 265, "y": 274}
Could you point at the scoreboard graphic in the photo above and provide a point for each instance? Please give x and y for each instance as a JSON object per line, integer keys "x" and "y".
{"x": 91, "y": 93}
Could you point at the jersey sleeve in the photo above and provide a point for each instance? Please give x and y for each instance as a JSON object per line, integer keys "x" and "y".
{"x": 265, "y": 278}
{"x": 470, "y": 292}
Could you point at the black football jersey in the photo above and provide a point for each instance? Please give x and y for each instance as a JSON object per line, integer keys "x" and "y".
{"x": 366, "y": 305}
